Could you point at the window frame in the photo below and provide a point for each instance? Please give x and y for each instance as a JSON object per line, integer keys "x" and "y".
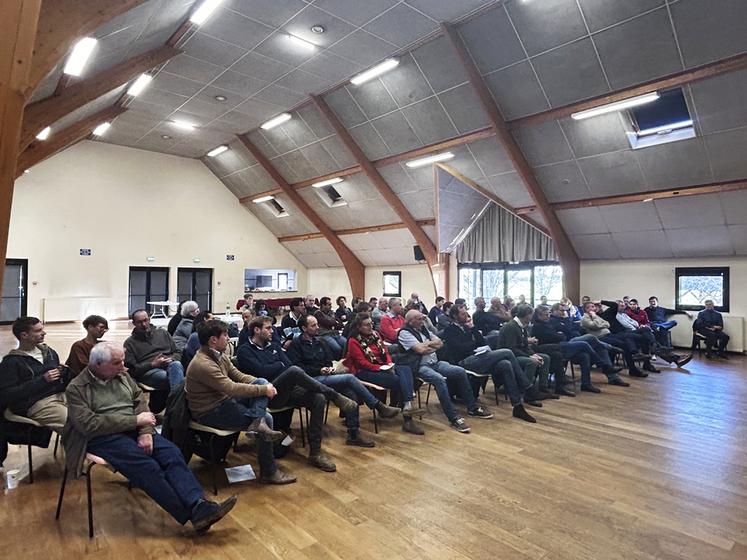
{"x": 681, "y": 271}
{"x": 398, "y": 274}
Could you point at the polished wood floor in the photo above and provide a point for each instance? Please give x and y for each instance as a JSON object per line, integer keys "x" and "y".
{"x": 656, "y": 471}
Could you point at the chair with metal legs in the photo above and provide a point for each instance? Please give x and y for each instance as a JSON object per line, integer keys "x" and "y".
{"x": 217, "y": 444}
{"x": 29, "y": 424}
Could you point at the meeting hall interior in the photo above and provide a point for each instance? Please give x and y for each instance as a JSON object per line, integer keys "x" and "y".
{"x": 373, "y": 279}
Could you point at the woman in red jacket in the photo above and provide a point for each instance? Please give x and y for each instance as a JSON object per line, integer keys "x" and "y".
{"x": 367, "y": 358}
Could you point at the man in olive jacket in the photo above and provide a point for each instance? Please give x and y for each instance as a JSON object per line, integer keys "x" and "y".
{"x": 108, "y": 418}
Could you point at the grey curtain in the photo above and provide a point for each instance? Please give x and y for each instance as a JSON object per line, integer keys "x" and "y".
{"x": 500, "y": 236}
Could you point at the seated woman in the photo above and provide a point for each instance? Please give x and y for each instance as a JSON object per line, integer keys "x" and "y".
{"x": 367, "y": 358}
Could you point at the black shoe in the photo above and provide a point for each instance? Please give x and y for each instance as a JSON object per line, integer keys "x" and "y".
{"x": 411, "y": 427}
{"x": 520, "y": 413}
{"x": 562, "y": 391}
{"x": 723, "y": 355}
{"x": 206, "y": 513}
{"x": 545, "y": 395}
{"x": 614, "y": 369}
{"x": 652, "y": 369}
{"x": 637, "y": 373}
{"x": 355, "y": 438}
{"x": 641, "y": 356}
{"x": 619, "y": 382}
{"x": 386, "y": 411}
{"x": 537, "y": 404}
{"x": 590, "y": 389}
{"x": 683, "y": 360}
{"x": 710, "y": 356}
{"x": 480, "y": 412}
{"x": 460, "y": 425}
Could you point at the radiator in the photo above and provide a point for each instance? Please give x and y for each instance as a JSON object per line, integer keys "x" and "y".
{"x": 682, "y": 334}
{"x": 78, "y": 308}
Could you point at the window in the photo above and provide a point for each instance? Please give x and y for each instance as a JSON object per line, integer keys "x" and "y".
{"x": 531, "y": 280}
{"x": 470, "y": 284}
{"x": 392, "y": 283}
{"x": 548, "y": 282}
{"x": 195, "y": 284}
{"x": 518, "y": 285}
{"x": 269, "y": 280}
{"x": 331, "y": 196}
{"x": 665, "y": 120}
{"x": 694, "y": 285}
{"x": 147, "y": 283}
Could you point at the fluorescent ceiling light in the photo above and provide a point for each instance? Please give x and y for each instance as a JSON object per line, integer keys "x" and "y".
{"x": 617, "y": 106}
{"x": 377, "y": 70}
{"x": 327, "y": 182}
{"x": 430, "y": 159}
{"x": 273, "y": 122}
{"x": 183, "y": 125}
{"x": 101, "y": 129}
{"x": 78, "y": 58}
{"x": 139, "y": 85}
{"x": 44, "y": 134}
{"x": 301, "y": 42}
{"x": 217, "y": 151}
{"x": 647, "y": 199}
{"x": 201, "y": 14}
{"x": 665, "y": 128}
{"x": 262, "y": 199}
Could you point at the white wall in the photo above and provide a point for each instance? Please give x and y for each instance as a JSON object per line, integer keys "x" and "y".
{"x": 644, "y": 278}
{"x": 127, "y": 204}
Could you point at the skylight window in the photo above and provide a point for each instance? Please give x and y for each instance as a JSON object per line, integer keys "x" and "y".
{"x": 277, "y": 208}
{"x": 331, "y": 196}
{"x": 665, "y": 120}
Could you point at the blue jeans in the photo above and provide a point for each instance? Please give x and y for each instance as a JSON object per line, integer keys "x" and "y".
{"x": 336, "y": 343}
{"x": 348, "y": 385}
{"x": 163, "y": 475}
{"x": 581, "y": 353}
{"x": 398, "y": 379}
{"x": 440, "y": 375}
{"x": 164, "y": 381}
{"x": 502, "y": 366}
{"x": 661, "y": 331}
{"x": 237, "y": 414}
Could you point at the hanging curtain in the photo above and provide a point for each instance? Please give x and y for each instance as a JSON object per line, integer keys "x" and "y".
{"x": 500, "y": 236}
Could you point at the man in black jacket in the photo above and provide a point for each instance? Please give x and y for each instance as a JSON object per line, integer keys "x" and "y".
{"x": 31, "y": 378}
{"x": 310, "y": 352}
{"x": 289, "y": 323}
{"x": 660, "y": 323}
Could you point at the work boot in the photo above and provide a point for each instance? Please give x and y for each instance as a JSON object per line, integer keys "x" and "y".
{"x": 343, "y": 403}
{"x": 386, "y": 411}
{"x": 409, "y": 426}
{"x": 322, "y": 461}
{"x": 356, "y": 438}
{"x": 278, "y": 477}
{"x": 206, "y": 513}
{"x": 520, "y": 413}
{"x": 261, "y": 430}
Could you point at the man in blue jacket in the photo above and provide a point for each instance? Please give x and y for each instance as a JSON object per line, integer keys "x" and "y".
{"x": 660, "y": 323}
{"x": 710, "y": 324}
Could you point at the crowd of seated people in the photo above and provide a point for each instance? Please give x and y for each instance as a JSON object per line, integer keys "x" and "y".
{"x": 318, "y": 356}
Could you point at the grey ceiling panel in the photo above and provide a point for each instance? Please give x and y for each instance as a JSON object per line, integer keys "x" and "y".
{"x": 728, "y": 154}
{"x": 690, "y": 211}
{"x": 302, "y": 167}
{"x": 396, "y": 132}
{"x": 613, "y": 173}
{"x": 398, "y": 179}
{"x": 210, "y": 49}
{"x": 89, "y": 109}
{"x": 543, "y": 144}
{"x": 700, "y": 242}
{"x": 210, "y": 94}
{"x": 304, "y": 82}
{"x": 192, "y": 68}
{"x": 235, "y": 28}
{"x": 510, "y": 188}
{"x": 604, "y": 13}
{"x": 320, "y": 158}
{"x": 547, "y": 24}
{"x": 638, "y": 216}
{"x": 337, "y": 150}
{"x": 734, "y": 204}
{"x": 517, "y": 91}
{"x": 269, "y": 12}
{"x": 373, "y": 98}
{"x": 357, "y": 13}
{"x": 686, "y": 164}
{"x": 597, "y": 135}
{"x": 491, "y": 156}
{"x": 257, "y": 138}
{"x": 595, "y": 246}
{"x": 446, "y": 10}
{"x": 739, "y": 239}
{"x": 258, "y": 109}
{"x": 161, "y": 98}
{"x": 652, "y": 34}
{"x": 719, "y": 101}
{"x": 643, "y": 245}
{"x": 492, "y": 41}
{"x": 401, "y": 25}
{"x": 279, "y": 96}
{"x": 331, "y": 66}
{"x": 238, "y": 83}
{"x": 422, "y": 177}
{"x": 440, "y": 65}
{"x": 204, "y": 108}
{"x": 429, "y": 121}
{"x": 298, "y": 131}
{"x": 261, "y": 67}
{"x": 315, "y": 121}
{"x": 236, "y": 158}
{"x": 570, "y": 73}
{"x": 406, "y": 82}
{"x": 49, "y": 84}
{"x": 421, "y": 204}
{"x": 465, "y": 163}
{"x": 363, "y": 48}
{"x": 280, "y": 47}
{"x": 710, "y": 31}
{"x": 369, "y": 141}
{"x": 562, "y": 182}
{"x": 582, "y": 221}
{"x": 346, "y": 109}
{"x": 334, "y": 28}
{"x": 235, "y": 122}
{"x": 464, "y": 108}
{"x": 175, "y": 84}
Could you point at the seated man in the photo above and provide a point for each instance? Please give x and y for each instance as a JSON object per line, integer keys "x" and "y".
{"x": 710, "y": 324}
{"x": 477, "y": 316}
{"x": 152, "y": 359}
{"x": 263, "y": 358}
{"x": 437, "y": 310}
{"x": 329, "y": 327}
{"x": 421, "y": 347}
{"x": 378, "y": 312}
{"x": 310, "y": 305}
{"x": 32, "y": 382}
{"x": 597, "y": 326}
{"x": 109, "y": 418}
{"x": 392, "y": 321}
{"x": 289, "y": 323}
{"x": 415, "y": 303}
{"x": 311, "y": 353}
{"x": 343, "y": 312}
{"x": 193, "y": 344}
{"x": 657, "y": 316}
{"x": 219, "y": 395}
{"x": 190, "y": 309}
{"x": 640, "y": 340}
{"x": 662, "y": 350}
{"x": 467, "y": 348}
{"x": 96, "y": 327}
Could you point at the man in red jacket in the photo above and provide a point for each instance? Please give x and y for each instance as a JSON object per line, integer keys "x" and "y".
{"x": 392, "y": 321}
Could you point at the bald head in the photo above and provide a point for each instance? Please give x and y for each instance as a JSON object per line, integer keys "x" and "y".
{"x": 414, "y": 318}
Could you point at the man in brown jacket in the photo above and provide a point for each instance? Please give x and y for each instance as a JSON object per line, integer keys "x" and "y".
{"x": 108, "y": 418}
{"x": 219, "y": 395}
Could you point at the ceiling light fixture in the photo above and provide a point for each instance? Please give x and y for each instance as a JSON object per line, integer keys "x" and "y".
{"x": 139, "y": 85}
{"x": 221, "y": 98}
{"x": 327, "y": 183}
{"x": 429, "y": 159}
{"x": 165, "y": 136}
{"x": 665, "y": 128}
{"x": 616, "y": 106}
{"x": 262, "y": 199}
{"x": 183, "y": 125}
{"x": 318, "y": 29}
{"x": 217, "y": 151}
{"x": 273, "y": 122}
{"x": 44, "y": 134}
{"x": 377, "y": 70}
{"x": 201, "y": 14}
{"x": 78, "y": 58}
{"x": 647, "y": 199}
{"x": 101, "y": 129}
{"x": 301, "y": 42}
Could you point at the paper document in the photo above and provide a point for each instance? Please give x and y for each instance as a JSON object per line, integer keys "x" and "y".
{"x": 386, "y": 367}
{"x": 240, "y": 474}
{"x": 481, "y": 350}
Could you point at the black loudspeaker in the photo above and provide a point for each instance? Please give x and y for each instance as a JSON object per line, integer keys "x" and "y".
{"x": 418, "y": 252}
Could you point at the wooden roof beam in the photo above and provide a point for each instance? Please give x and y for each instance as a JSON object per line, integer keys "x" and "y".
{"x": 354, "y": 231}
{"x": 354, "y": 267}
{"x": 47, "y": 111}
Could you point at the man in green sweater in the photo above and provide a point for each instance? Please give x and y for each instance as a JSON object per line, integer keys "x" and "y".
{"x": 108, "y": 418}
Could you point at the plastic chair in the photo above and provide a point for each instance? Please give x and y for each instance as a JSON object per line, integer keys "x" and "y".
{"x": 10, "y": 417}
{"x": 217, "y": 443}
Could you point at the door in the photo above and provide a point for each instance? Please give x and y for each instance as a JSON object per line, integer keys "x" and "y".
{"x": 195, "y": 284}
{"x": 14, "y": 290}
{"x": 147, "y": 283}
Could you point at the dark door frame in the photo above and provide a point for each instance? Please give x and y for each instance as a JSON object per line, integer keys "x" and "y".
{"x": 147, "y": 269}
{"x": 193, "y": 269}
{"x": 24, "y": 263}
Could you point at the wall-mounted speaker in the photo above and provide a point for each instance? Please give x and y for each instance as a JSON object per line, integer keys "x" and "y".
{"x": 418, "y": 252}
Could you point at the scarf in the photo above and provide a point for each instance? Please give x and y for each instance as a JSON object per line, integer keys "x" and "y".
{"x": 367, "y": 342}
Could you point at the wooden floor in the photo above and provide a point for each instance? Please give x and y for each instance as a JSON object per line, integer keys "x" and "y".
{"x": 658, "y": 470}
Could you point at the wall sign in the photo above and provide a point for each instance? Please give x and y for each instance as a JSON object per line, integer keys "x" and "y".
{"x": 85, "y": 252}
{"x": 230, "y": 257}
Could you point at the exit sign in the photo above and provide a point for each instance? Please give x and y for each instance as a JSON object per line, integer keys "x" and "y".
{"x": 85, "y": 252}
